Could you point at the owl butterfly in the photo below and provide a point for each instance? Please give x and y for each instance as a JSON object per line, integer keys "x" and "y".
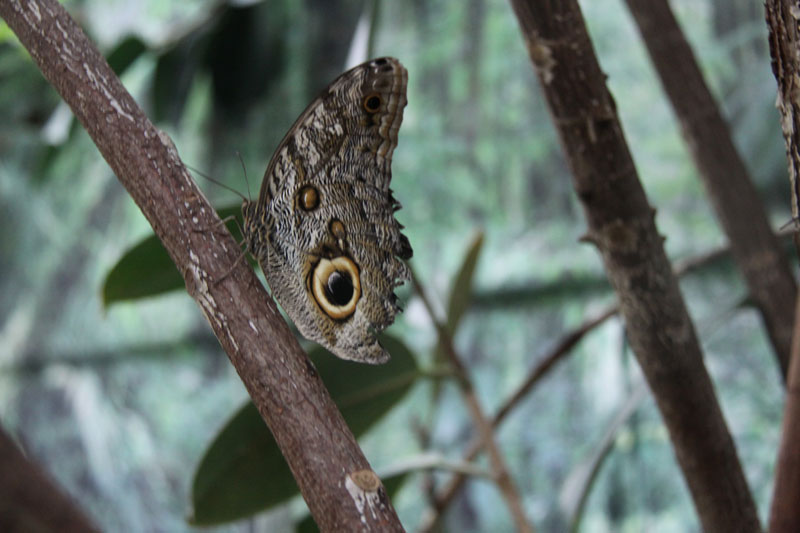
{"x": 323, "y": 227}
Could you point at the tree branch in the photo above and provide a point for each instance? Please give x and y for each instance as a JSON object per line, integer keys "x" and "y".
{"x": 564, "y": 347}
{"x": 755, "y": 248}
{"x": 784, "y": 43}
{"x": 622, "y": 227}
{"x": 445, "y": 496}
{"x": 482, "y": 424}
{"x": 784, "y": 513}
{"x": 29, "y": 501}
{"x": 331, "y": 471}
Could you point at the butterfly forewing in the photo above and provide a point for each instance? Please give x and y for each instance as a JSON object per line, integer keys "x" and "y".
{"x": 323, "y": 228}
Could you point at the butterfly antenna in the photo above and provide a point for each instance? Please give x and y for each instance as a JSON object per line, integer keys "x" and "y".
{"x": 244, "y": 169}
{"x": 212, "y": 180}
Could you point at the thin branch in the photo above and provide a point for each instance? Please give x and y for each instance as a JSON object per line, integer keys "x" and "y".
{"x": 564, "y": 347}
{"x": 331, "y": 471}
{"x": 577, "y": 486}
{"x": 482, "y": 424}
{"x": 436, "y": 461}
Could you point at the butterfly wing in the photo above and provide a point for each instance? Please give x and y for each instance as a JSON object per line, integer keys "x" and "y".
{"x": 323, "y": 228}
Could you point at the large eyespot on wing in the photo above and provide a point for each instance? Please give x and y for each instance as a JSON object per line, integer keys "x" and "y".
{"x": 336, "y": 286}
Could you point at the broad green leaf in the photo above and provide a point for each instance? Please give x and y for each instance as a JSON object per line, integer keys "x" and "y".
{"x": 147, "y": 270}
{"x": 8, "y": 36}
{"x": 174, "y": 75}
{"x": 461, "y": 292}
{"x": 391, "y": 483}
{"x": 243, "y": 471}
{"x": 125, "y": 53}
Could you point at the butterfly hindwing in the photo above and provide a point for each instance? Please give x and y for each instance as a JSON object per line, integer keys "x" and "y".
{"x": 323, "y": 228}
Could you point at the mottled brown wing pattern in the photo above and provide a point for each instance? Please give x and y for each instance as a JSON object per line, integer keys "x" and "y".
{"x": 323, "y": 228}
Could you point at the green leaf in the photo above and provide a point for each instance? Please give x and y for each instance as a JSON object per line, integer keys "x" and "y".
{"x": 243, "y": 471}
{"x": 461, "y": 292}
{"x": 147, "y": 269}
{"x": 8, "y": 36}
{"x": 175, "y": 72}
{"x": 125, "y": 53}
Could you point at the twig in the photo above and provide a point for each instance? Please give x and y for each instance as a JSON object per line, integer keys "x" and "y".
{"x": 484, "y": 427}
{"x": 576, "y": 488}
{"x": 564, "y": 347}
{"x": 435, "y": 461}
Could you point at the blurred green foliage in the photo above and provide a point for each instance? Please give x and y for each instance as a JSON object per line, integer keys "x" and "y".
{"x": 121, "y": 404}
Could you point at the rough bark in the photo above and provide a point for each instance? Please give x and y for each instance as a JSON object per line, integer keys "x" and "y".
{"x": 29, "y": 501}
{"x": 331, "y": 471}
{"x": 756, "y": 251}
{"x": 784, "y": 47}
{"x": 621, "y": 225}
{"x": 784, "y": 513}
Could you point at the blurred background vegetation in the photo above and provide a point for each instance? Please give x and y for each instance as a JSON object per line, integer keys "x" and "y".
{"x": 119, "y": 402}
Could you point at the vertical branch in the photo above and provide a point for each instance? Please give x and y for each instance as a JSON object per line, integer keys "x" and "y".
{"x": 755, "y": 248}
{"x": 622, "y": 227}
{"x": 784, "y": 512}
{"x": 784, "y": 47}
{"x": 333, "y": 475}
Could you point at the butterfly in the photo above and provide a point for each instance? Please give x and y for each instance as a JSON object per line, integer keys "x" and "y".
{"x": 323, "y": 228}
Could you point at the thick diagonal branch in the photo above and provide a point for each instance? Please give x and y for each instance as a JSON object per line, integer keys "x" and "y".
{"x": 622, "y": 226}
{"x": 29, "y": 501}
{"x": 282, "y": 383}
{"x": 755, "y": 249}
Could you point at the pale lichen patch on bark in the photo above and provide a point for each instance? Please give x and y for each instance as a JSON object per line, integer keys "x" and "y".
{"x": 364, "y": 487}
{"x": 542, "y": 57}
{"x": 207, "y": 303}
{"x": 35, "y": 10}
{"x": 100, "y": 82}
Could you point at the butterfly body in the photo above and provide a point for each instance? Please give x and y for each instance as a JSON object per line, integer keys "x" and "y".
{"x": 323, "y": 227}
